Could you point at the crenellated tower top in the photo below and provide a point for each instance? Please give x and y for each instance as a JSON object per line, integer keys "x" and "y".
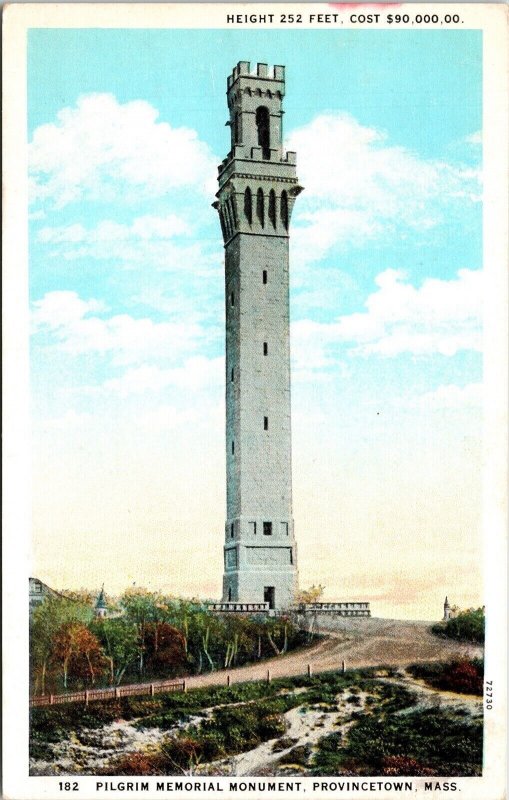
{"x": 255, "y": 103}
{"x": 256, "y": 175}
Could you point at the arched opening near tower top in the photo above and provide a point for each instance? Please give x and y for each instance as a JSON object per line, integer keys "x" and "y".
{"x": 263, "y": 128}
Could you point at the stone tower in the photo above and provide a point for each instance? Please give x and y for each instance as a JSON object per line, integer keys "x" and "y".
{"x": 447, "y": 610}
{"x": 257, "y": 190}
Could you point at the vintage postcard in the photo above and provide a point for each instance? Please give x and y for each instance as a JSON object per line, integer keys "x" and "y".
{"x": 255, "y": 329}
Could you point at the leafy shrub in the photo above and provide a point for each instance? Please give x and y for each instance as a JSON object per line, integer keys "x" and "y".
{"x": 271, "y": 726}
{"x": 282, "y": 743}
{"x": 165, "y": 721}
{"x": 463, "y": 676}
{"x": 429, "y": 736}
{"x": 419, "y": 742}
{"x": 392, "y": 698}
{"x": 403, "y": 765}
{"x": 467, "y": 626}
{"x": 230, "y": 730}
{"x": 185, "y": 751}
{"x": 328, "y": 759}
{"x": 137, "y": 763}
{"x": 52, "y": 723}
{"x": 354, "y": 700}
{"x": 297, "y": 755}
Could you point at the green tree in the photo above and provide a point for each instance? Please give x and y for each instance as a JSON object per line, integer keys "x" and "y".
{"x": 466, "y": 625}
{"x": 46, "y": 620}
{"x": 311, "y": 595}
{"x": 73, "y": 643}
{"x": 119, "y": 639}
{"x": 141, "y": 607}
{"x": 165, "y": 648}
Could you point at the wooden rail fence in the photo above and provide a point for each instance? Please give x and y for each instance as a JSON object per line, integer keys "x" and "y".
{"x": 89, "y": 695}
{"x": 151, "y": 689}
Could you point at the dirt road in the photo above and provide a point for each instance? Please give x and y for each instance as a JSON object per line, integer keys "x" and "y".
{"x": 358, "y": 642}
{"x": 367, "y": 642}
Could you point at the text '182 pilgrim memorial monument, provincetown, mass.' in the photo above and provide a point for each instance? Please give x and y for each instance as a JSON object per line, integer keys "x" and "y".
{"x": 257, "y": 189}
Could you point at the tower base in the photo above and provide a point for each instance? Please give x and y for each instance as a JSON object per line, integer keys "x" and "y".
{"x": 278, "y": 589}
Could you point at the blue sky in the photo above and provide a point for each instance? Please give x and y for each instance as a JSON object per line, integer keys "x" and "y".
{"x": 126, "y": 128}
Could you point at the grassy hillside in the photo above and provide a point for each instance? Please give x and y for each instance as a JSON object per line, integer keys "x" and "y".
{"x": 365, "y": 722}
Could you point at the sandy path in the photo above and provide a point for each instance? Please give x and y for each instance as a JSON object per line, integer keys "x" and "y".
{"x": 360, "y": 643}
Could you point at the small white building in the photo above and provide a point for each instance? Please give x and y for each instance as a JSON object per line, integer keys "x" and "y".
{"x": 38, "y": 592}
{"x": 100, "y": 608}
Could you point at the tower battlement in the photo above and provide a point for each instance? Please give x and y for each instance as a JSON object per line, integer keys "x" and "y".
{"x": 257, "y": 179}
{"x": 256, "y": 114}
{"x": 243, "y": 68}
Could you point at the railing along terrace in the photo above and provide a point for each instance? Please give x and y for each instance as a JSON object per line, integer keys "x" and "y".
{"x": 346, "y": 609}
{"x": 247, "y": 608}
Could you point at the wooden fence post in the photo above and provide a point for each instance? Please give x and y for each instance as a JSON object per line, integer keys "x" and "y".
{"x": 151, "y": 689}
{"x": 343, "y": 667}
{"x": 117, "y": 693}
{"x": 51, "y": 699}
{"x": 86, "y": 697}
{"x": 228, "y": 680}
{"x": 185, "y": 686}
{"x": 310, "y": 671}
{"x": 268, "y": 676}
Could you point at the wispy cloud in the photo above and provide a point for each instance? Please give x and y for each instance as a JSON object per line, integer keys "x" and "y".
{"x": 74, "y": 326}
{"x": 195, "y": 374}
{"x": 104, "y": 150}
{"x": 145, "y": 227}
{"x": 158, "y": 253}
{"x": 359, "y": 186}
{"x": 438, "y": 317}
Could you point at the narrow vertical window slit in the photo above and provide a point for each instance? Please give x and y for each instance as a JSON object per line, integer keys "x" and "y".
{"x": 284, "y": 209}
{"x": 248, "y": 205}
{"x": 272, "y": 207}
{"x": 260, "y": 207}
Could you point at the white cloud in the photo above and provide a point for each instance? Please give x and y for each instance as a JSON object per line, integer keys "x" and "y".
{"x": 61, "y": 309}
{"x": 74, "y": 329}
{"x": 145, "y": 227}
{"x": 148, "y": 242}
{"x": 101, "y": 149}
{"x": 198, "y": 372}
{"x": 438, "y": 317}
{"x": 448, "y": 396}
{"x": 358, "y": 186}
{"x": 474, "y": 138}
